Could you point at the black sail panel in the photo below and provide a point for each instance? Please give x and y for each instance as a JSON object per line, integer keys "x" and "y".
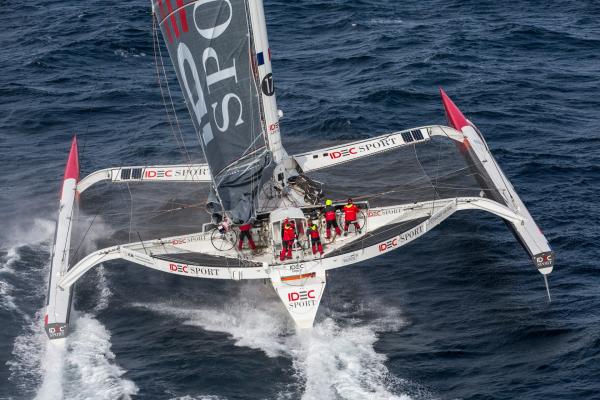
{"x": 209, "y": 42}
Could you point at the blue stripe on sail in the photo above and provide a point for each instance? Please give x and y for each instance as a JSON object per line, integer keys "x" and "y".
{"x": 261, "y": 58}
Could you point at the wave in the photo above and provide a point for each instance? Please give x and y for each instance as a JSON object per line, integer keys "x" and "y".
{"x": 331, "y": 361}
{"x": 80, "y": 367}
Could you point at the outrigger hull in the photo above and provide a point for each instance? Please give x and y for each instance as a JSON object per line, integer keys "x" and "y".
{"x": 491, "y": 177}
{"x": 58, "y": 300}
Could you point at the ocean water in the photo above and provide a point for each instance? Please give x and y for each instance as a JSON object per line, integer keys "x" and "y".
{"x": 459, "y": 314}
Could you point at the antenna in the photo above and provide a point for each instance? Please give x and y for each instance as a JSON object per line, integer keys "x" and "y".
{"x": 547, "y": 288}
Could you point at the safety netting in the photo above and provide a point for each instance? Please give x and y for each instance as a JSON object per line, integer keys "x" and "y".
{"x": 116, "y": 213}
{"x": 427, "y": 171}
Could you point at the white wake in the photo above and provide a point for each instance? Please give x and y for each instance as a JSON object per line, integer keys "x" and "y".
{"x": 330, "y": 361}
{"x": 80, "y": 367}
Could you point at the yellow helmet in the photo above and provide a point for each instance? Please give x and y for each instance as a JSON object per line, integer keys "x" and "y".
{"x": 328, "y": 202}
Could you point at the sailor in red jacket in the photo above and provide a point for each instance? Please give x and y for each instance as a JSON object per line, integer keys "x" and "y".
{"x": 350, "y": 212}
{"x": 315, "y": 237}
{"x": 330, "y": 219}
{"x": 288, "y": 237}
{"x": 245, "y": 233}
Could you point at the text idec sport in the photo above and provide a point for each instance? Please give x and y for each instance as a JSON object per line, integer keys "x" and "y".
{"x": 193, "y": 270}
{"x": 405, "y": 237}
{"x": 391, "y": 211}
{"x": 174, "y": 173}
{"x": 363, "y": 148}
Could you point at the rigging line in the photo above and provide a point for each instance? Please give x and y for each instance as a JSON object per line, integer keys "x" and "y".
{"x": 142, "y": 242}
{"x": 495, "y": 165}
{"x": 82, "y": 239}
{"x": 156, "y": 45}
{"x": 435, "y": 192}
{"x": 181, "y": 137}
{"x": 105, "y": 205}
{"x": 130, "y": 210}
{"x": 437, "y": 168}
{"x": 423, "y": 170}
{"x": 162, "y": 201}
{"x": 245, "y": 156}
{"x": 150, "y": 212}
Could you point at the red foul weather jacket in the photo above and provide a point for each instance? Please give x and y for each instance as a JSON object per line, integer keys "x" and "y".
{"x": 330, "y": 213}
{"x": 314, "y": 232}
{"x": 289, "y": 233}
{"x": 245, "y": 227}
{"x": 350, "y": 211}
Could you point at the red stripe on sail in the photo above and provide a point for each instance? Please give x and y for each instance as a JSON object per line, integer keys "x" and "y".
{"x": 173, "y": 20}
{"x": 182, "y": 15}
{"x": 162, "y": 11}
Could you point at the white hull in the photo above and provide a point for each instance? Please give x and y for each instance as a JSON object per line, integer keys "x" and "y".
{"x": 299, "y": 282}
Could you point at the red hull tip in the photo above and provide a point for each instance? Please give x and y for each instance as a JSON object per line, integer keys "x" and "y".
{"x": 72, "y": 168}
{"x": 455, "y": 117}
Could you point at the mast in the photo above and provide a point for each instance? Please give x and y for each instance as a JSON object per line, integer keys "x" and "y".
{"x": 267, "y": 87}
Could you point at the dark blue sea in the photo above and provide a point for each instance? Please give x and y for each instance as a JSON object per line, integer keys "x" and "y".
{"x": 459, "y": 314}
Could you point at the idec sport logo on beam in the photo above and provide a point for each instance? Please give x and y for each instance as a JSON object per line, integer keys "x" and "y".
{"x": 389, "y": 245}
{"x": 158, "y": 173}
{"x": 181, "y": 173}
{"x": 168, "y": 15}
{"x": 363, "y": 148}
{"x": 193, "y": 270}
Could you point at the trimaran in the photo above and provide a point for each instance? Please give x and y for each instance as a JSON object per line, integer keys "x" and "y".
{"x": 221, "y": 55}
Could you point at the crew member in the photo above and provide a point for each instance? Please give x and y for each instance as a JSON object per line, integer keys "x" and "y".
{"x": 288, "y": 237}
{"x": 330, "y": 219}
{"x": 246, "y": 233}
{"x": 350, "y": 211}
{"x": 315, "y": 237}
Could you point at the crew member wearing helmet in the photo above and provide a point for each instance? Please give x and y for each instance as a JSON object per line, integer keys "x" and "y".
{"x": 350, "y": 211}
{"x": 330, "y": 219}
{"x": 288, "y": 237}
{"x": 315, "y": 237}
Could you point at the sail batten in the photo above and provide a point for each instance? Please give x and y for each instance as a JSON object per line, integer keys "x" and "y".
{"x": 209, "y": 42}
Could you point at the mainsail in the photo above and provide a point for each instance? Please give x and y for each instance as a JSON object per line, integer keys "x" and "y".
{"x": 210, "y": 44}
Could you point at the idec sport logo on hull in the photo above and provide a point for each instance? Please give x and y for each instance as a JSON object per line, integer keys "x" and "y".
{"x": 402, "y": 239}
{"x": 389, "y": 245}
{"x": 544, "y": 260}
{"x": 57, "y": 330}
{"x": 302, "y": 299}
{"x": 301, "y": 295}
{"x": 363, "y": 148}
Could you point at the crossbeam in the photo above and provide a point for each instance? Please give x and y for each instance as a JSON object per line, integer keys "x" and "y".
{"x": 335, "y": 155}
{"x": 154, "y": 173}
